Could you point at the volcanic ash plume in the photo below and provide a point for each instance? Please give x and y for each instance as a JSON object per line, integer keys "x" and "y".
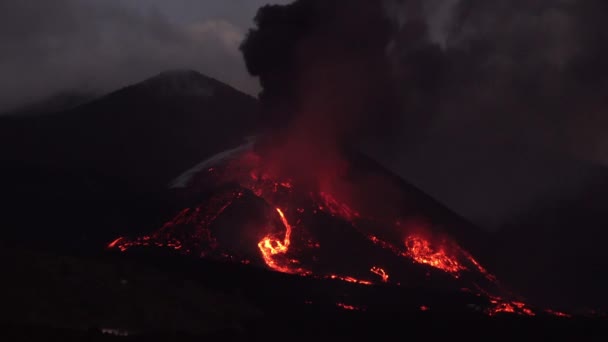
{"x": 324, "y": 72}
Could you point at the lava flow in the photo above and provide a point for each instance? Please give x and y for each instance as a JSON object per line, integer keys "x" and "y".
{"x": 271, "y": 248}
{"x": 420, "y": 250}
{"x": 257, "y": 218}
{"x": 383, "y": 275}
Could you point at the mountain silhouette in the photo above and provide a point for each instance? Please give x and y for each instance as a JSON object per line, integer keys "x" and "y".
{"x": 113, "y": 157}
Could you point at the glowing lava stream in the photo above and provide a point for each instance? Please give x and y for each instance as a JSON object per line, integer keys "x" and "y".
{"x": 379, "y": 271}
{"x": 420, "y": 250}
{"x": 272, "y": 247}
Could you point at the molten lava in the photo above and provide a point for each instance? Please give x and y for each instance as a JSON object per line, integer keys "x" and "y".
{"x": 421, "y": 251}
{"x": 383, "y": 275}
{"x": 314, "y": 231}
{"x": 350, "y": 279}
{"x": 271, "y": 248}
{"x": 513, "y": 307}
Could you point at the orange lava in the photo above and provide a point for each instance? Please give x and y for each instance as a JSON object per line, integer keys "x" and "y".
{"x": 421, "y": 251}
{"x": 350, "y": 279}
{"x": 379, "y": 271}
{"x": 481, "y": 269}
{"x": 513, "y": 307}
{"x": 271, "y": 248}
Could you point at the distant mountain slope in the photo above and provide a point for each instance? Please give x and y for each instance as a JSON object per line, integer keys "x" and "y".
{"x": 54, "y": 104}
{"x": 101, "y": 166}
{"x": 144, "y": 134}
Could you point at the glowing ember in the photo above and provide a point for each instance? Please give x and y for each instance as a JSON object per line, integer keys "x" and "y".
{"x": 115, "y": 243}
{"x": 188, "y": 231}
{"x": 480, "y": 268}
{"x": 336, "y": 208}
{"x": 350, "y": 280}
{"x": 424, "y": 308}
{"x": 348, "y": 307}
{"x": 502, "y": 307}
{"x": 513, "y": 307}
{"x": 385, "y": 245}
{"x": 380, "y": 272}
{"x": 558, "y": 314}
{"x": 420, "y": 250}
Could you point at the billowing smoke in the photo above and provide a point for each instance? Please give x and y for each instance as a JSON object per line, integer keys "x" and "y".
{"x": 326, "y": 82}
{"x": 323, "y": 65}
{"x": 522, "y": 95}
{"x": 344, "y": 72}
{"x": 458, "y": 96}
{"x": 338, "y": 73}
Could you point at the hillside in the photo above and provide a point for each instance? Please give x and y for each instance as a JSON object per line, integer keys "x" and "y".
{"x": 107, "y": 163}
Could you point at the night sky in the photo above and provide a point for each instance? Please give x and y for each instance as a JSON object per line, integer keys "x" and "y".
{"x": 513, "y": 113}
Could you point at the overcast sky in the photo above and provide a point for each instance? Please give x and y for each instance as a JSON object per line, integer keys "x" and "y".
{"x": 98, "y": 45}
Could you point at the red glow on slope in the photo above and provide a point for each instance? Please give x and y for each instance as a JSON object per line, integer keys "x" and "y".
{"x": 296, "y": 248}
{"x": 480, "y": 268}
{"x": 421, "y": 251}
{"x": 379, "y": 271}
{"x": 348, "y": 307}
{"x": 272, "y": 247}
{"x": 197, "y": 219}
{"x": 350, "y": 279}
{"x": 512, "y": 307}
{"x": 337, "y": 208}
{"x": 383, "y": 244}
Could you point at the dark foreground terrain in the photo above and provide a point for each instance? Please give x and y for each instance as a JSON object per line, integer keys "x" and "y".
{"x": 139, "y": 296}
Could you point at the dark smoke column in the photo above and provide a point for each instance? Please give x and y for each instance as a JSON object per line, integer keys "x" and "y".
{"x": 323, "y": 68}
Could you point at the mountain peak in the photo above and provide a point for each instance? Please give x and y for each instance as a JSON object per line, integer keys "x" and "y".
{"x": 182, "y": 82}
{"x": 180, "y": 74}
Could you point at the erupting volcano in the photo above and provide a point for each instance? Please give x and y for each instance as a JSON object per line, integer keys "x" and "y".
{"x": 248, "y": 212}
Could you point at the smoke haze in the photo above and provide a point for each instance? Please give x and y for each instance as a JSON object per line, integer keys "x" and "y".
{"x": 500, "y": 103}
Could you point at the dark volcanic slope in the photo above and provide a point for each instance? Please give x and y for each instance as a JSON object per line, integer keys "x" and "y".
{"x": 145, "y": 133}
{"x": 110, "y": 160}
{"x": 555, "y": 251}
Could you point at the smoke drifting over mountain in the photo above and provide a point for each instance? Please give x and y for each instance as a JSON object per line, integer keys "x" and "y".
{"x": 318, "y": 63}
{"x": 483, "y": 88}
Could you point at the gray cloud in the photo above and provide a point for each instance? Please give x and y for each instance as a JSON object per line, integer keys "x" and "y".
{"x": 517, "y": 113}
{"x": 61, "y": 45}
